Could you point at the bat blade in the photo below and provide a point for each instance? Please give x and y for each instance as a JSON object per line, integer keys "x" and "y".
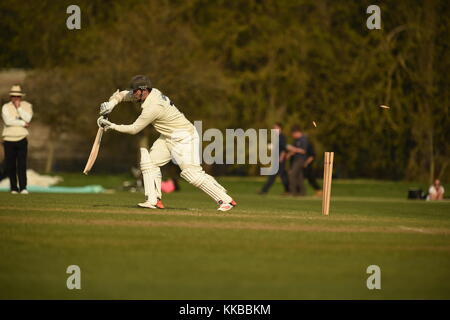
{"x": 94, "y": 152}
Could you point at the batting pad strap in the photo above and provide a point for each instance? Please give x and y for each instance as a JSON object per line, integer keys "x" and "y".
{"x": 158, "y": 178}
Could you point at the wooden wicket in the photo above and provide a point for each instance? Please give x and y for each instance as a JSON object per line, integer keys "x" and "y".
{"x": 327, "y": 178}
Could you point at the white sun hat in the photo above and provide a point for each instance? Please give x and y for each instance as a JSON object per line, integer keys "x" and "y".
{"x": 16, "y": 91}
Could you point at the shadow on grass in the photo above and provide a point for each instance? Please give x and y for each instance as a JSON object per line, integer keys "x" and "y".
{"x": 135, "y": 207}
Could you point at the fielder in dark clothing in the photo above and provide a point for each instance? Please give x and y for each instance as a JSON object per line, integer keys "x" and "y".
{"x": 281, "y": 168}
{"x": 298, "y": 153}
{"x": 308, "y": 172}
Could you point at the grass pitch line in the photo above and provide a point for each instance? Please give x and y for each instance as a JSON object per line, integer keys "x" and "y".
{"x": 413, "y": 229}
{"x": 313, "y": 216}
{"x": 209, "y": 225}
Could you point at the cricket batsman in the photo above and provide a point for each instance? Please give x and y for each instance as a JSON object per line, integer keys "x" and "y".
{"x": 179, "y": 141}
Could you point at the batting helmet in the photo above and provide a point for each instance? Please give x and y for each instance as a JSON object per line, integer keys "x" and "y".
{"x": 140, "y": 82}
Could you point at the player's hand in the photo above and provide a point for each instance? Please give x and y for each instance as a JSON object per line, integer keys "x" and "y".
{"x": 104, "y": 123}
{"x": 105, "y": 108}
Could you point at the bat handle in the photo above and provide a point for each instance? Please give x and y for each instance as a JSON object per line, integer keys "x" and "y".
{"x": 104, "y": 117}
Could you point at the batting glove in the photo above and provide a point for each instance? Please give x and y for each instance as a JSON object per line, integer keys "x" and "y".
{"x": 106, "y": 108}
{"x": 104, "y": 123}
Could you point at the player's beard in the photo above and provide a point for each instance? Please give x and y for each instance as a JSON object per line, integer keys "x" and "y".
{"x": 140, "y": 99}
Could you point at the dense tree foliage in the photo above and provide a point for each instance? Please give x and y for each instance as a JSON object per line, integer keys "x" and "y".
{"x": 248, "y": 63}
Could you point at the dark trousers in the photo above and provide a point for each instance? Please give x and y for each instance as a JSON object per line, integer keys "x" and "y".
{"x": 16, "y": 163}
{"x": 309, "y": 173}
{"x": 271, "y": 179}
{"x": 296, "y": 178}
{"x": 2, "y": 171}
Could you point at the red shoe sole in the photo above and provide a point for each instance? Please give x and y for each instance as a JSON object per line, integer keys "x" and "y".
{"x": 159, "y": 204}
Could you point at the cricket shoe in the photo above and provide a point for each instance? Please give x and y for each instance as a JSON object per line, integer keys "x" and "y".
{"x": 159, "y": 204}
{"x": 147, "y": 204}
{"x": 226, "y": 206}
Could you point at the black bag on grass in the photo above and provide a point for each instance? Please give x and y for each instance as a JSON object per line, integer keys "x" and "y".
{"x": 416, "y": 194}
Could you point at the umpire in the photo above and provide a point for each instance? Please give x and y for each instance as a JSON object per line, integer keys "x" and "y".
{"x": 281, "y": 168}
{"x": 16, "y": 116}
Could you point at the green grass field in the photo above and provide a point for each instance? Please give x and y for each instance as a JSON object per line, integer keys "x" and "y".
{"x": 269, "y": 247}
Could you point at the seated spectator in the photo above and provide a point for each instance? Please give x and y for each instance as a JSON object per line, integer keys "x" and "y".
{"x": 436, "y": 191}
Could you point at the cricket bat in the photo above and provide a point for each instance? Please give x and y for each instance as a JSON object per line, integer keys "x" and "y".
{"x": 94, "y": 151}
